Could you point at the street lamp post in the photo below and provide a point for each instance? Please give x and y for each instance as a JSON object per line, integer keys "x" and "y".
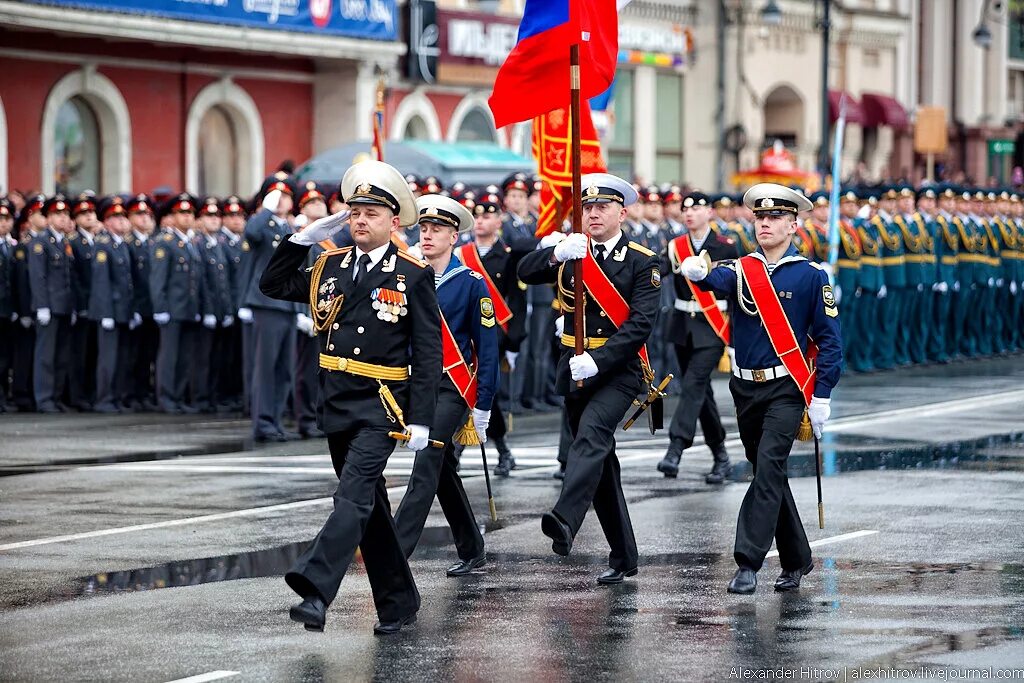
{"x": 826, "y": 35}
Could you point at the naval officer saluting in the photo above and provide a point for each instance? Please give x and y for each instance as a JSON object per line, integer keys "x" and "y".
{"x": 375, "y": 311}
{"x": 784, "y": 309}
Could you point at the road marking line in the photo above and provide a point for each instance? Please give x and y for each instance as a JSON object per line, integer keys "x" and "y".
{"x": 834, "y": 539}
{"x": 210, "y": 676}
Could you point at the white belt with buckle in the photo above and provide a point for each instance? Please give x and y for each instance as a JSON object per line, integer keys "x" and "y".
{"x": 691, "y": 306}
{"x": 761, "y": 375}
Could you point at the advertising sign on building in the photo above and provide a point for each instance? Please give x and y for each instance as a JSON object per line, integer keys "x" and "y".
{"x": 376, "y": 19}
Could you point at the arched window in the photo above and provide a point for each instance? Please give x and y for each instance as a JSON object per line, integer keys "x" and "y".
{"x": 218, "y": 174}
{"x": 76, "y": 148}
{"x": 475, "y": 127}
{"x": 86, "y": 136}
{"x": 416, "y": 129}
{"x": 783, "y": 117}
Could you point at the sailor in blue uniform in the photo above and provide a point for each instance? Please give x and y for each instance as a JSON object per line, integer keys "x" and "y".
{"x": 469, "y": 312}
{"x": 769, "y": 402}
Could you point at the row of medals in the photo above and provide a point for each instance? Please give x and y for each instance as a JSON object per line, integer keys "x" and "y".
{"x": 389, "y": 313}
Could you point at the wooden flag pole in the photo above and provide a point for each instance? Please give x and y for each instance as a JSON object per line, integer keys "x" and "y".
{"x": 579, "y": 326}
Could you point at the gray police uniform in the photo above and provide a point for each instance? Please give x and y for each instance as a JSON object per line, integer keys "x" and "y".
{"x": 145, "y": 339}
{"x": 7, "y": 311}
{"x": 50, "y": 271}
{"x": 214, "y": 299}
{"x": 82, "y": 356}
{"x": 112, "y": 296}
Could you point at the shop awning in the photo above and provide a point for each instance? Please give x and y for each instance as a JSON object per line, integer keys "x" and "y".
{"x": 854, "y": 112}
{"x": 882, "y": 110}
{"x": 474, "y": 163}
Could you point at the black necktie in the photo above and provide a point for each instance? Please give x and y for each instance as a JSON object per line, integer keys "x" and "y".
{"x": 362, "y": 265}
{"x": 599, "y": 252}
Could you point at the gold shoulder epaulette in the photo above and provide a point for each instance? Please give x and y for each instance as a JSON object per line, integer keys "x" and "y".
{"x": 412, "y": 259}
{"x": 339, "y": 250}
{"x": 641, "y": 248}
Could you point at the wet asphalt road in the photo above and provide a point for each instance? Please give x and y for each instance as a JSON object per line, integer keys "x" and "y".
{"x": 148, "y": 548}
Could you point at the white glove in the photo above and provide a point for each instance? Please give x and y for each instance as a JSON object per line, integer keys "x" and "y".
{"x": 419, "y": 435}
{"x": 135, "y": 321}
{"x": 510, "y": 358}
{"x": 1013, "y": 288}
{"x": 245, "y": 315}
{"x": 551, "y": 239}
{"x": 14, "y": 316}
{"x": 837, "y": 291}
{"x": 582, "y": 367}
{"x": 271, "y": 201}
{"x": 818, "y": 413}
{"x": 43, "y": 316}
{"x": 956, "y": 286}
{"x": 210, "y": 321}
{"x": 300, "y": 221}
{"x": 304, "y": 323}
{"x": 694, "y": 268}
{"x": 198, "y": 318}
{"x": 74, "y": 317}
{"x": 883, "y": 292}
{"x": 26, "y": 322}
{"x": 991, "y": 282}
{"x": 107, "y": 324}
{"x": 481, "y": 419}
{"x": 574, "y": 246}
{"x": 864, "y": 212}
{"x": 936, "y": 288}
{"x": 321, "y": 229}
{"x": 227, "y": 321}
{"x": 559, "y": 326}
{"x": 161, "y": 318}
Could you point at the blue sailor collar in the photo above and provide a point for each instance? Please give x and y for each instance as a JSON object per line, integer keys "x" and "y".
{"x": 792, "y": 255}
{"x": 454, "y": 268}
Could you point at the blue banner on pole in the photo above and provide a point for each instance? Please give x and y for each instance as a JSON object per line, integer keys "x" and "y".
{"x": 374, "y": 19}
{"x": 833, "y": 205}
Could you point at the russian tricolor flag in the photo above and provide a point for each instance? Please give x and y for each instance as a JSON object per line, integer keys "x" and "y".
{"x": 535, "y": 77}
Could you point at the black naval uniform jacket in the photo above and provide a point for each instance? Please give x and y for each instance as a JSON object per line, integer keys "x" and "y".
{"x": 695, "y": 328}
{"x": 112, "y": 290}
{"x": 633, "y": 270}
{"x": 352, "y": 401}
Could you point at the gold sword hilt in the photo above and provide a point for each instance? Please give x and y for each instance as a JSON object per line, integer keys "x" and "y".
{"x": 404, "y": 438}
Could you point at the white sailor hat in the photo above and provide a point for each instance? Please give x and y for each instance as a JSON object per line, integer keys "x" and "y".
{"x": 775, "y": 200}
{"x": 605, "y": 187}
{"x": 436, "y": 208}
{"x": 374, "y": 182}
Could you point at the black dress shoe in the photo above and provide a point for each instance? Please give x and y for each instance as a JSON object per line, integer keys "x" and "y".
{"x": 312, "y": 612}
{"x": 463, "y": 567}
{"x": 744, "y": 582}
{"x": 312, "y": 433}
{"x": 560, "y": 472}
{"x": 613, "y": 576}
{"x": 386, "y": 628}
{"x": 48, "y": 408}
{"x": 789, "y": 580}
{"x": 721, "y": 469}
{"x": 559, "y": 533}
{"x": 669, "y": 465}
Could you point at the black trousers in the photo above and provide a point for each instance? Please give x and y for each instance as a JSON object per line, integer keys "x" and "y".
{"x": 229, "y": 351}
{"x": 173, "y": 360}
{"x": 52, "y": 361}
{"x": 592, "y": 470}
{"x": 248, "y": 349}
{"x": 696, "y": 399}
{"x": 22, "y": 360}
{"x": 201, "y": 377}
{"x": 82, "y": 359}
{"x": 145, "y": 340}
{"x": 434, "y": 473}
{"x": 769, "y": 415}
{"x": 361, "y": 518}
{"x": 112, "y": 367}
{"x": 7, "y": 339}
{"x": 306, "y": 401}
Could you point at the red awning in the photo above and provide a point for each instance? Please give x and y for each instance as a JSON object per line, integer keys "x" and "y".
{"x": 882, "y": 110}
{"x": 854, "y": 112}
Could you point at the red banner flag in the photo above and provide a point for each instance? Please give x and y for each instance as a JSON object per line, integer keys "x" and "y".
{"x": 552, "y": 148}
{"x": 539, "y": 63}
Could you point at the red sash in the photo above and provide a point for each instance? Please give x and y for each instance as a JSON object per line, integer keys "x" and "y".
{"x": 609, "y": 299}
{"x": 455, "y": 365}
{"x": 682, "y": 248}
{"x": 776, "y": 324}
{"x": 471, "y": 258}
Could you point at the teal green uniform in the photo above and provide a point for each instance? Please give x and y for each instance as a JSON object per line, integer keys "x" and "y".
{"x": 987, "y": 324}
{"x": 1015, "y": 339}
{"x": 919, "y": 259}
{"x": 1004, "y": 241}
{"x": 870, "y": 282}
{"x": 947, "y": 245}
{"x": 890, "y": 307}
{"x": 965, "y": 299}
{"x": 847, "y": 285}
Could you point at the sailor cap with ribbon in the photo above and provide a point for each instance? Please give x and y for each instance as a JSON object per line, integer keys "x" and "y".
{"x": 775, "y": 200}
{"x": 376, "y": 183}
{"x": 436, "y": 208}
{"x": 604, "y": 187}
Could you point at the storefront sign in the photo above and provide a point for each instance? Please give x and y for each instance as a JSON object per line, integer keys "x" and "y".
{"x": 376, "y": 19}
{"x": 1000, "y": 146}
{"x": 457, "y": 47}
{"x": 665, "y": 46}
